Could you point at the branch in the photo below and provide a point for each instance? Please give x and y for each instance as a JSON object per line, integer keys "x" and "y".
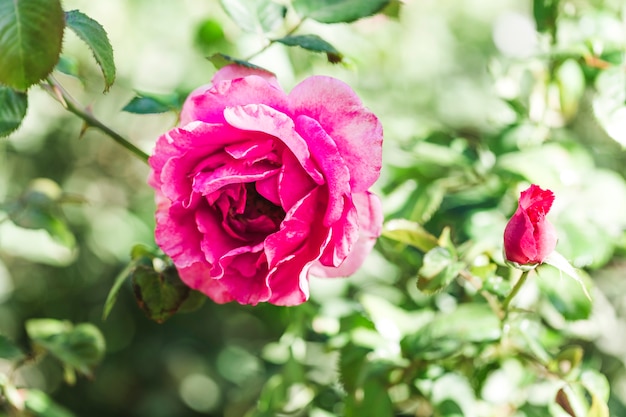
{"x": 62, "y": 96}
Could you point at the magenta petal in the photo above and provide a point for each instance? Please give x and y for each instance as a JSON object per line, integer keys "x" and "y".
{"x": 344, "y": 234}
{"x": 198, "y": 277}
{"x": 215, "y": 241}
{"x": 234, "y": 71}
{"x": 292, "y": 250}
{"x": 295, "y": 229}
{"x": 324, "y": 151}
{"x": 370, "y": 227}
{"x": 528, "y": 236}
{"x": 207, "y": 103}
{"x": 177, "y": 234}
{"x": 293, "y": 183}
{"x": 355, "y": 129}
{"x": 268, "y": 188}
{"x": 245, "y": 275}
{"x": 235, "y": 172}
{"x": 181, "y": 150}
{"x": 261, "y": 118}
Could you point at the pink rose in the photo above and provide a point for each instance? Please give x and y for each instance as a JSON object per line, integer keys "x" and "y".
{"x": 256, "y": 187}
{"x": 529, "y": 237}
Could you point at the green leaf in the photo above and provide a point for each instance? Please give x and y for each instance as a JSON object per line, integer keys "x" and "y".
{"x": 115, "y": 289}
{"x": 609, "y": 103}
{"x": 598, "y": 408}
{"x": 410, "y": 233}
{"x": 38, "y": 208}
{"x": 447, "y": 332}
{"x": 596, "y": 383}
{"x": 337, "y": 11}
{"x": 31, "y": 34}
{"x": 148, "y": 103}
{"x": 8, "y": 350}
{"x": 567, "y": 360}
{"x": 273, "y": 396}
{"x": 13, "y": 105}
{"x": 41, "y": 405}
{"x": 194, "y": 301}
{"x": 159, "y": 294}
{"x": 438, "y": 270}
{"x": 140, "y": 255}
{"x": 545, "y": 13}
{"x": 351, "y": 360}
{"x": 313, "y": 43}
{"x": 220, "y": 60}
{"x": 94, "y": 35}
{"x": 428, "y": 199}
{"x": 571, "y": 82}
{"x": 257, "y": 16}
{"x": 393, "y": 9}
{"x": 79, "y": 347}
{"x": 67, "y": 65}
{"x": 565, "y": 295}
{"x": 559, "y": 262}
{"x": 374, "y": 402}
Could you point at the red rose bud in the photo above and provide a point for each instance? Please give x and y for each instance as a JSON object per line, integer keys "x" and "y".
{"x": 529, "y": 237}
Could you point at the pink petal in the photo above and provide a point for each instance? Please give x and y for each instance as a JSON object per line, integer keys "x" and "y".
{"x": 245, "y": 275}
{"x": 324, "y": 151}
{"x": 234, "y": 172}
{"x": 207, "y": 103}
{"x": 293, "y": 249}
{"x": 293, "y": 183}
{"x": 356, "y": 131}
{"x": 215, "y": 241}
{"x": 344, "y": 234}
{"x": 234, "y": 71}
{"x": 370, "y": 227}
{"x": 198, "y": 277}
{"x": 177, "y": 234}
{"x": 261, "y": 118}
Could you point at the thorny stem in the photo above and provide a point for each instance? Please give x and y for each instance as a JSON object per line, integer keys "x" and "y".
{"x": 62, "y": 96}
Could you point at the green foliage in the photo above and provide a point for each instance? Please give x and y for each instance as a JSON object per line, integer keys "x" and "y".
{"x": 39, "y": 207}
{"x": 333, "y": 11}
{"x": 312, "y": 43}
{"x": 221, "y": 60}
{"x": 438, "y": 270}
{"x": 13, "y": 106}
{"x": 94, "y": 35}
{"x": 79, "y": 347}
{"x": 147, "y": 103}
{"x": 8, "y": 350}
{"x": 41, "y": 405}
{"x": 31, "y": 32}
{"x": 255, "y": 15}
{"x": 160, "y": 294}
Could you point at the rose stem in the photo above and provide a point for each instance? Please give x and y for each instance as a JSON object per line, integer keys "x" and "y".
{"x": 67, "y": 101}
{"x": 514, "y": 291}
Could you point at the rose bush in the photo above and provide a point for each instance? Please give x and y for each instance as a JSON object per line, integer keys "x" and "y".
{"x": 257, "y": 188}
{"x": 528, "y": 236}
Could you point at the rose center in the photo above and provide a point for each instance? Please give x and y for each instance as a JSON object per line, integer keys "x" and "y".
{"x": 259, "y": 217}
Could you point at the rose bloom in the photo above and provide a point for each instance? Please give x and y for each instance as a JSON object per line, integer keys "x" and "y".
{"x": 529, "y": 237}
{"x": 257, "y": 188}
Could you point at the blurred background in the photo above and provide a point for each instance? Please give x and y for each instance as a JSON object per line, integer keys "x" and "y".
{"x": 477, "y": 98}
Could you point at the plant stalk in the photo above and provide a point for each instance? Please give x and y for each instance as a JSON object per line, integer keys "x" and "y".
{"x": 518, "y": 285}
{"x": 67, "y": 101}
